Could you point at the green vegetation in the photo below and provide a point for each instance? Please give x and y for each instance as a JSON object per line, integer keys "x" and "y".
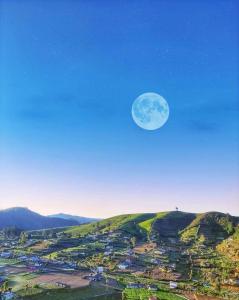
{"x": 140, "y": 225}
{"x": 8, "y": 261}
{"x": 170, "y": 224}
{"x": 190, "y": 234}
{"x": 147, "y": 225}
{"x": 126, "y": 223}
{"x": 93, "y": 292}
{"x": 200, "y": 252}
{"x": 209, "y": 228}
{"x": 19, "y": 281}
{"x": 144, "y": 294}
{"x": 230, "y": 246}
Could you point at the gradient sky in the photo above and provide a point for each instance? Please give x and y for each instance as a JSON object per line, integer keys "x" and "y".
{"x": 69, "y": 73}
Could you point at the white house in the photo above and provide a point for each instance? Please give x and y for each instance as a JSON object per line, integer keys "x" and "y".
{"x": 173, "y": 285}
{"x": 6, "y": 254}
{"x": 100, "y": 269}
{"x": 152, "y": 287}
{"x": 123, "y": 266}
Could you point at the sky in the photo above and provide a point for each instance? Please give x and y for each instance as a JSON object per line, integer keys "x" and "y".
{"x": 70, "y": 71}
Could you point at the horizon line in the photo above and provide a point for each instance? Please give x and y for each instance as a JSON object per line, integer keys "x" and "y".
{"x": 114, "y": 215}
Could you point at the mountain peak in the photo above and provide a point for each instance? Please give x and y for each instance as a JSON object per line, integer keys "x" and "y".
{"x": 25, "y": 219}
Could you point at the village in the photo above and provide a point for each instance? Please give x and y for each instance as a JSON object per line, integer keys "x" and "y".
{"x": 111, "y": 263}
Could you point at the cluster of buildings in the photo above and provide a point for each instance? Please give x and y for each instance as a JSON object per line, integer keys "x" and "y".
{"x": 151, "y": 287}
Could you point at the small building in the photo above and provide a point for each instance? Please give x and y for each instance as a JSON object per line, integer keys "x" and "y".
{"x": 155, "y": 261}
{"x": 62, "y": 285}
{"x": 173, "y": 285}
{"x": 94, "y": 277}
{"x": 2, "y": 279}
{"x": 123, "y": 266}
{"x": 109, "y": 247}
{"x": 22, "y": 258}
{"x": 129, "y": 261}
{"x": 172, "y": 266}
{"x": 236, "y": 281}
{"x": 135, "y": 286}
{"x": 35, "y": 258}
{"x": 152, "y": 287}
{"x": 6, "y": 254}
{"x": 100, "y": 269}
{"x": 130, "y": 252}
{"x": 206, "y": 284}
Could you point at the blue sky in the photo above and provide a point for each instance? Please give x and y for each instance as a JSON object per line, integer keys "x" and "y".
{"x": 70, "y": 71}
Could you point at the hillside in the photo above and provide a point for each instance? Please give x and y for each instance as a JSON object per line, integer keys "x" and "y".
{"x": 230, "y": 246}
{"x": 171, "y": 223}
{"x": 126, "y": 223}
{"x": 79, "y": 219}
{"x": 26, "y": 219}
{"x": 210, "y": 227}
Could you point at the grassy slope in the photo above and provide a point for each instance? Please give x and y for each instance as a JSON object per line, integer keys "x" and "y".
{"x": 170, "y": 224}
{"x": 135, "y": 294}
{"x": 147, "y": 225}
{"x": 230, "y": 246}
{"x": 127, "y": 223}
{"x": 163, "y": 224}
{"x": 210, "y": 227}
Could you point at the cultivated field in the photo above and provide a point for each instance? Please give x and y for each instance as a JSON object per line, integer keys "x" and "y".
{"x": 71, "y": 280}
{"x": 94, "y": 292}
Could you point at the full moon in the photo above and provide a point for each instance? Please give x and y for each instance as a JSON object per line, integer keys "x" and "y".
{"x": 150, "y": 111}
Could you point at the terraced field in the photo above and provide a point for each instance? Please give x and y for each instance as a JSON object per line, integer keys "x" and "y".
{"x": 144, "y": 294}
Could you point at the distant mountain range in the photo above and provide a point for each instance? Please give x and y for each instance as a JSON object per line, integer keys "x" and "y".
{"x": 79, "y": 219}
{"x": 25, "y": 219}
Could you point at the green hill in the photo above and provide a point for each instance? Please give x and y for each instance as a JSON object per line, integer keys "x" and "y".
{"x": 163, "y": 224}
{"x": 170, "y": 224}
{"x": 126, "y": 223}
{"x": 210, "y": 227}
{"x": 167, "y": 224}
